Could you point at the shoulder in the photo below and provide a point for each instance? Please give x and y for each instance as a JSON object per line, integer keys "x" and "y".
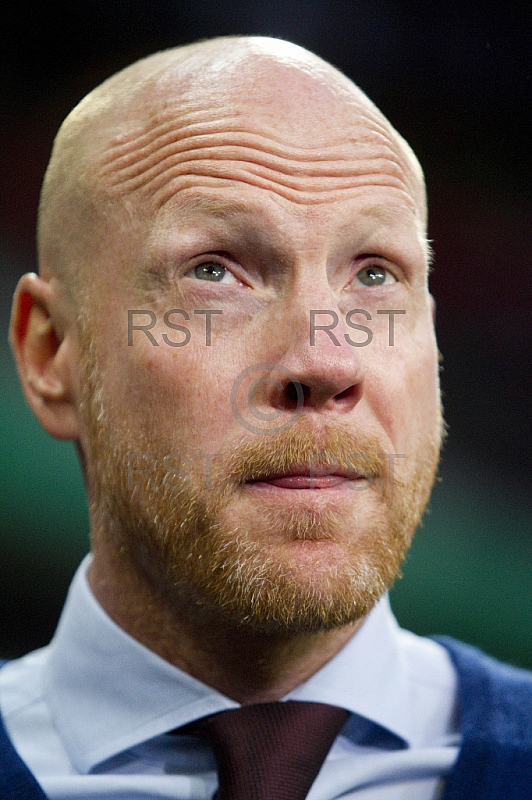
{"x": 475, "y": 667}
{"x": 493, "y": 696}
{"x": 495, "y": 704}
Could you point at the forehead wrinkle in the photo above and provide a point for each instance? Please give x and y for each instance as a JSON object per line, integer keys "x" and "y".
{"x": 124, "y": 149}
{"x": 224, "y": 160}
{"x": 125, "y": 160}
{"x": 127, "y": 150}
{"x": 329, "y": 193}
{"x": 202, "y": 147}
{"x": 169, "y": 135}
{"x": 317, "y": 177}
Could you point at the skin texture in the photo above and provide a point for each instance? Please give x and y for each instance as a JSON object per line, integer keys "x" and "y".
{"x": 255, "y": 159}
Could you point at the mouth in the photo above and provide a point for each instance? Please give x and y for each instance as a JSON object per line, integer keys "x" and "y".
{"x": 320, "y": 478}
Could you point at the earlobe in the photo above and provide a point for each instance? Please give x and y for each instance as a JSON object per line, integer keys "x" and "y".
{"x": 43, "y": 352}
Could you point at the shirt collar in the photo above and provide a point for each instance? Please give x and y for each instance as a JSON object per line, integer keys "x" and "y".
{"x": 368, "y": 676}
{"x": 107, "y": 692}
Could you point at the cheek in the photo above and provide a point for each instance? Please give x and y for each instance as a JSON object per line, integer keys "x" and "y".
{"x": 183, "y": 391}
{"x": 403, "y": 385}
{"x": 423, "y": 389}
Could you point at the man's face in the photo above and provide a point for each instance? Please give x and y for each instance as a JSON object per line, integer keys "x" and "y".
{"x": 285, "y": 468}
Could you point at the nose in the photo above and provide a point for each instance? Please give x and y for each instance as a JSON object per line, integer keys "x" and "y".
{"x": 318, "y": 367}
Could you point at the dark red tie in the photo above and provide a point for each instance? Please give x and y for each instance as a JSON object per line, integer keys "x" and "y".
{"x": 270, "y": 751}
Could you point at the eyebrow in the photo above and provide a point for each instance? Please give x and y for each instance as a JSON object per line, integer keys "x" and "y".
{"x": 213, "y": 207}
{"x": 390, "y": 214}
{"x": 385, "y": 213}
{"x": 216, "y": 207}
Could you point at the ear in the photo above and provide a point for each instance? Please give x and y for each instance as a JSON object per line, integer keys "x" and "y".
{"x": 45, "y": 352}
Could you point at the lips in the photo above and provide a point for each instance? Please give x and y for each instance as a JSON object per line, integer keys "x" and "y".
{"x": 319, "y": 478}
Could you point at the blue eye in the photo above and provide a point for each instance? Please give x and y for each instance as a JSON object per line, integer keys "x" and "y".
{"x": 210, "y": 271}
{"x": 214, "y": 272}
{"x": 374, "y": 275}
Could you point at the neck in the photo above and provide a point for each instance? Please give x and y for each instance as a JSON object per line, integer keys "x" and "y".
{"x": 246, "y": 665}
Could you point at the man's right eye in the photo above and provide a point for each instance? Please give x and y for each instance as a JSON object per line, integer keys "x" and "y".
{"x": 212, "y": 271}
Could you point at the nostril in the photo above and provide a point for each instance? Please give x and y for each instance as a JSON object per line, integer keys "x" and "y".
{"x": 296, "y": 394}
{"x": 347, "y": 394}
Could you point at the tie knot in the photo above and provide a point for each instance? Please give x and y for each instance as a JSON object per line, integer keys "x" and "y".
{"x": 270, "y": 751}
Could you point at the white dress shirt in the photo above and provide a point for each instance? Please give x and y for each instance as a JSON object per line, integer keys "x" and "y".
{"x": 89, "y": 714}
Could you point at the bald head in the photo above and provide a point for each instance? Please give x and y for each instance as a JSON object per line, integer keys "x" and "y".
{"x": 119, "y": 139}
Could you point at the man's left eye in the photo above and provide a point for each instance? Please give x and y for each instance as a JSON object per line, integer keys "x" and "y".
{"x": 212, "y": 271}
{"x": 375, "y": 275}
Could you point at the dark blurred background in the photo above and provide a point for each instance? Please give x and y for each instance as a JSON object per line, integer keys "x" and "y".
{"x": 455, "y": 79}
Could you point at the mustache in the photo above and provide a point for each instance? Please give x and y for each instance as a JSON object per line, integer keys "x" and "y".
{"x": 301, "y": 448}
